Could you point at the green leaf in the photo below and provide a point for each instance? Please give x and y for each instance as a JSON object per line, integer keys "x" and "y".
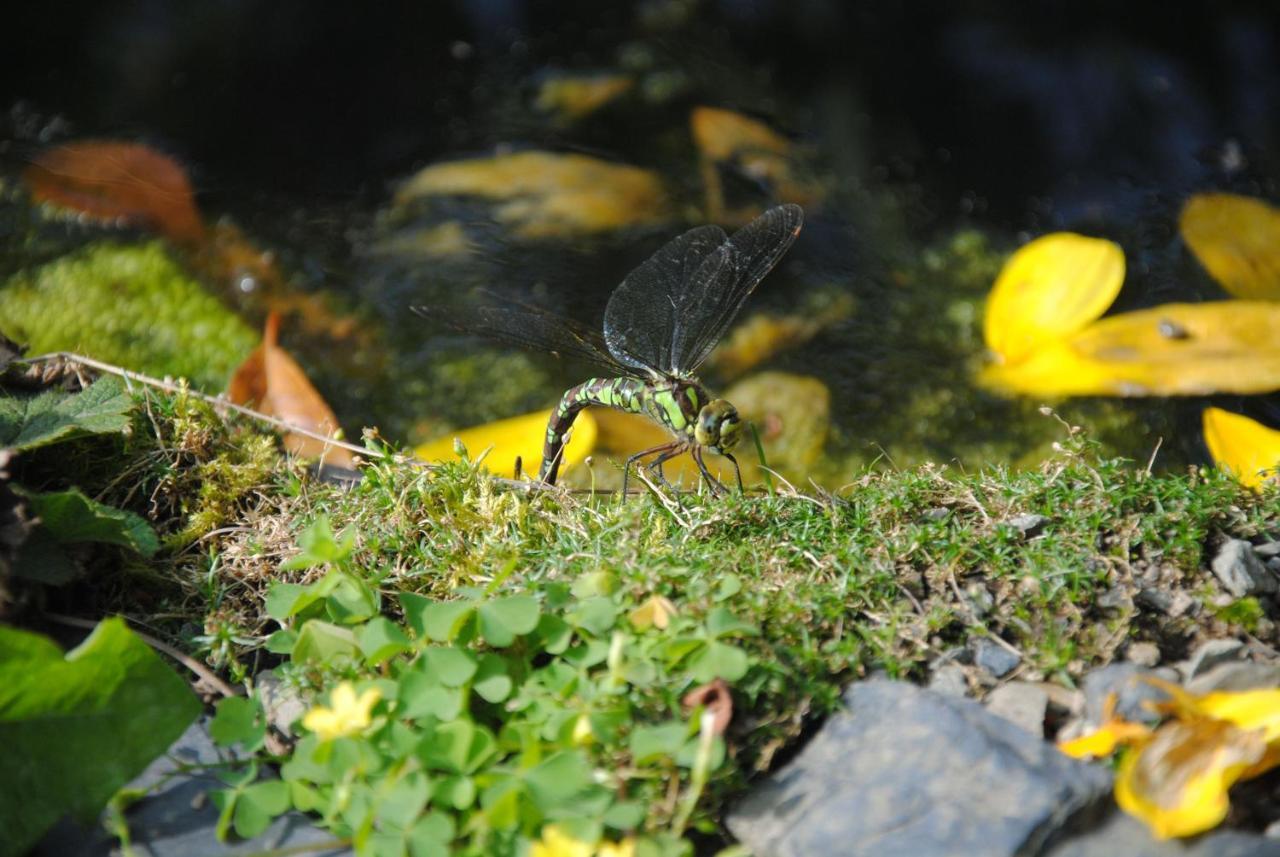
{"x": 688, "y": 754}
{"x": 281, "y": 642}
{"x": 70, "y": 516}
{"x": 553, "y": 633}
{"x": 238, "y": 720}
{"x": 431, "y": 835}
{"x": 504, "y": 619}
{"x": 458, "y": 792}
{"x": 558, "y": 781}
{"x": 352, "y": 600}
{"x": 501, "y": 802}
{"x": 492, "y": 682}
{"x": 729, "y": 586}
{"x": 414, "y": 608}
{"x": 27, "y": 423}
{"x": 257, "y": 805}
{"x": 76, "y": 728}
{"x": 458, "y": 747}
{"x": 597, "y": 615}
{"x": 322, "y": 643}
{"x": 380, "y": 639}
{"x": 318, "y": 546}
{"x": 653, "y": 742}
{"x": 625, "y": 815}
{"x": 450, "y": 666}
{"x": 421, "y": 695}
{"x": 722, "y": 623}
{"x": 41, "y": 559}
{"x": 719, "y": 660}
{"x": 405, "y": 799}
{"x": 442, "y": 621}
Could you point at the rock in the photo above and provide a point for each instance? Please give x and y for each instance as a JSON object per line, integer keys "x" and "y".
{"x": 1143, "y": 653}
{"x": 1120, "y": 835}
{"x": 1115, "y": 598}
{"x": 1208, "y": 655}
{"x": 1236, "y": 675}
{"x": 1240, "y": 571}
{"x": 1267, "y": 550}
{"x": 949, "y": 680}
{"x": 1028, "y": 524}
{"x": 178, "y": 819}
{"x": 993, "y": 657}
{"x": 1022, "y": 703}
{"x": 906, "y": 772}
{"x": 1125, "y": 681}
{"x": 1182, "y": 603}
{"x": 283, "y": 706}
{"x": 1154, "y": 599}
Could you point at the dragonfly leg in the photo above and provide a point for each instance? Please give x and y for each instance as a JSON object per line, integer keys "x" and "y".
{"x": 737, "y": 471}
{"x": 712, "y": 482}
{"x": 656, "y": 465}
{"x": 654, "y": 450}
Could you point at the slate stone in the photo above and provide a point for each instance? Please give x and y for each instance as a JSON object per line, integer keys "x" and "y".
{"x": 1028, "y": 524}
{"x": 949, "y": 679}
{"x": 1236, "y": 676}
{"x": 1142, "y": 653}
{"x": 906, "y": 772}
{"x": 993, "y": 657}
{"x": 1022, "y": 703}
{"x": 1120, "y": 835}
{"x": 1240, "y": 571}
{"x": 1209, "y": 654}
{"x": 1124, "y": 679}
{"x": 179, "y": 820}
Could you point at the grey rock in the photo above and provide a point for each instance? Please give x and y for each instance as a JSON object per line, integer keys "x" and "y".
{"x": 993, "y": 657}
{"x": 1208, "y": 655}
{"x": 1240, "y": 571}
{"x": 950, "y": 680}
{"x": 1125, "y": 680}
{"x": 178, "y": 819}
{"x": 1236, "y": 675}
{"x": 1027, "y": 524}
{"x": 1181, "y": 603}
{"x": 283, "y": 705}
{"x": 1157, "y": 600}
{"x": 1020, "y": 702}
{"x": 1143, "y": 653}
{"x": 1120, "y": 835}
{"x": 1115, "y": 598}
{"x": 1267, "y": 550}
{"x": 905, "y": 772}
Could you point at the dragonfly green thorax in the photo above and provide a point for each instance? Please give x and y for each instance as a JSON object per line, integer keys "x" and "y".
{"x": 659, "y": 326}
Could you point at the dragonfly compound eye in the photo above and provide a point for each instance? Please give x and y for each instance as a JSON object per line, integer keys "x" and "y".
{"x": 718, "y": 426}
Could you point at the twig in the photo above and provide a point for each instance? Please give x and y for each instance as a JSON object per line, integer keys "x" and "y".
{"x": 186, "y": 660}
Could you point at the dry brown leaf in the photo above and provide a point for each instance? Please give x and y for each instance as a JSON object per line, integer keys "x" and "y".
{"x": 715, "y": 697}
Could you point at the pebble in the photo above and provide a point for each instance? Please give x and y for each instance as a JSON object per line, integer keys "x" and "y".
{"x": 993, "y": 657}
{"x": 1143, "y": 653}
{"x": 1027, "y": 524}
{"x": 1236, "y": 675}
{"x": 1125, "y": 680}
{"x": 949, "y": 680}
{"x": 1240, "y": 571}
{"x": 1022, "y": 703}
{"x": 1208, "y": 655}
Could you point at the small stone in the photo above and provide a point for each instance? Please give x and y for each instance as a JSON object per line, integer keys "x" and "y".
{"x": 1125, "y": 680}
{"x": 1028, "y": 524}
{"x": 281, "y": 702}
{"x": 1236, "y": 675}
{"x": 1208, "y": 655}
{"x": 1267, "y": 550}
{"x": 1119, "y": 834}
{"x": 993, "y": 657}
{"x": 1181, "y": 604}
{"x": 1115, "y": 598}
{"x": 949, "y": 680}
{"x": 978, "y": 599}
{"x": 1157, "y": 600}
{"x": 1144, "y": 654}
{"x": 938, "y": 513}
{"x": 1240, "y": 571}
{"x": 1022, "y": 703}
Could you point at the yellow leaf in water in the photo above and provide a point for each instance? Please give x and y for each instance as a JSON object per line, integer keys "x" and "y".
{"x": 1177, "y": 782}
{"x": 1245, "y": 447}
{"x": 508, "y": 439}
{"x": 1237, "y": 239}
{"x": 571, "y": 97}
{"x": 1168, "y": 350}
{"x": 1049, "y": 289}
{"x": 549, "y": 195}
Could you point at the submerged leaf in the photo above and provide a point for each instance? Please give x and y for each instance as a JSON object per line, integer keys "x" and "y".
{"x": 1237, "y": 239}
{"x": 1048, "y": 290}
{"x": 1247, "y": 448}
{"x": 1168, "y": 350}
{"x": 115, "y": 180}
{"x": 503, "y": 441}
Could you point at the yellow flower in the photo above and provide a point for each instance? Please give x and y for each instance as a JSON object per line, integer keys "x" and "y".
{"x": 347, "y": 715}
{"x": 625, "y": 848}
{"x": 556, "y": 843}
{"x": 1248, "y": 449}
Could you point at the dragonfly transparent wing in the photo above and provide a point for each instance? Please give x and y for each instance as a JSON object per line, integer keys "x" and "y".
{"x": 672, "y": 310}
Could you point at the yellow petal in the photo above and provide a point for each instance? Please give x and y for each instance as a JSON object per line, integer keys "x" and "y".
{"x": 1245, "y": 709}
{"x": 1237, "y": 239}
{"x": 549, "y": 195}
{"x": 508, "y": 439}
{"x": 1049, "y": 289}
{"x": 347, "y": 714}
{"x": 1245, "y": 447}
{"x": 1177, "y": 783}
{"x": 572, "y": 97}
{"x": 625, "y": 848}
{"x": 582, "y": 734}
{"x": 556, "y": 843}
{"x": 1104, "y": 740}
{"x": 655, "y": 612}
{"x": 1168, "y": 350}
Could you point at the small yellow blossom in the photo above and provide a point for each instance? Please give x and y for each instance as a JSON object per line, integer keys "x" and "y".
{"x": 582, "y": 733}
{"x": 625, "y": 848}
{"x": 347, "y": 715}
{"x": 556, "y": 843}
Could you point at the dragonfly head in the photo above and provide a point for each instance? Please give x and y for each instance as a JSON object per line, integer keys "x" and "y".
{"x": 718, "y": 426}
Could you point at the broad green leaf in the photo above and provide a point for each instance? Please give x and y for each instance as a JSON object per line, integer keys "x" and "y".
{"x": 457, "y": 791}
{"x": 501, "y": 801}
{"x": 1050, "y": 288}
{"x": 442, "y": 621}
{"x": 719, "y": 660}
{"x": 76, "y": 728}
{"x": 492, "y": 682}
{"x": 352, "y": 600}
{"x": 238, "y": 720}
{"x": 42, "y": 559}
{"x": 281, "y": 642}
{"x": 1168, "y": 350}
{"x": 449, "y": 666}
{"x": 380, "y": 639}
{"x": 257, "y": 805}
{"x": 554, "y": 634}
{"x": 558, "y": 781}
{"x": 596, "y": 615}
{"x": 26, "y": 423}
{"x": 722, "y": 623}
{"x": 688, "y": 755}
{"x": 403, "y": 801}
{"x": 1237, "y": 239}
{"x": 504, "y": 619}
{"x": 70, "y": 516}
{"x": 318, "y": 546}
{"x": 431, "y": 835}
{"x": 322, "y": 643}
{"x": 458, "y": 747}
{"x": 1247, "y": 448}
{"x": 652, "y": 742}
{"x": 422, "y": 695}
{"x": 625, "y": 815}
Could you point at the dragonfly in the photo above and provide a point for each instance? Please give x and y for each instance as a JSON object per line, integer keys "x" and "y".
{"x": 660, "y": 324}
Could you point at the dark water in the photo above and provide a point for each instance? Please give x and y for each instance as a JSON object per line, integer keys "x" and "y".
{"x": 918, "y": 120}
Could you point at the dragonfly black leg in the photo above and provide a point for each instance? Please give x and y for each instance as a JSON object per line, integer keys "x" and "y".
{"x": 663, "y": 448}
{"x": 656, "y": 465}
{"x": 737, "y": 471}
{"x": 712, "y": 482}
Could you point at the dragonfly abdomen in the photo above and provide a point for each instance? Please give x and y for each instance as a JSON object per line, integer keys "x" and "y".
{"x": 625, "y": 394}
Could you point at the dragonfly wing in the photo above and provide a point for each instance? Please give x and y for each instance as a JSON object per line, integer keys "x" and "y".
{"x": 647, "y": 308}
{"x": 713, "y": 295}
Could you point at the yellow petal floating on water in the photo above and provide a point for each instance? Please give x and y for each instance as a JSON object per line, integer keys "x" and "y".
{"x": 571, "y": 97}
{"x": 1177, "y": 782}
{"x": 1049, "y": 289}
{"x": 1237, "y": 239}
{"x": 549, "y": 195}
{"x": 1169, "y": 350}
{"x": 518, "y": 436}
{"x": 1245, "y": 447}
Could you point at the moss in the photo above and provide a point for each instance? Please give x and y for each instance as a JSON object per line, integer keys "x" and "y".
{"x": 129, "y": 305}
